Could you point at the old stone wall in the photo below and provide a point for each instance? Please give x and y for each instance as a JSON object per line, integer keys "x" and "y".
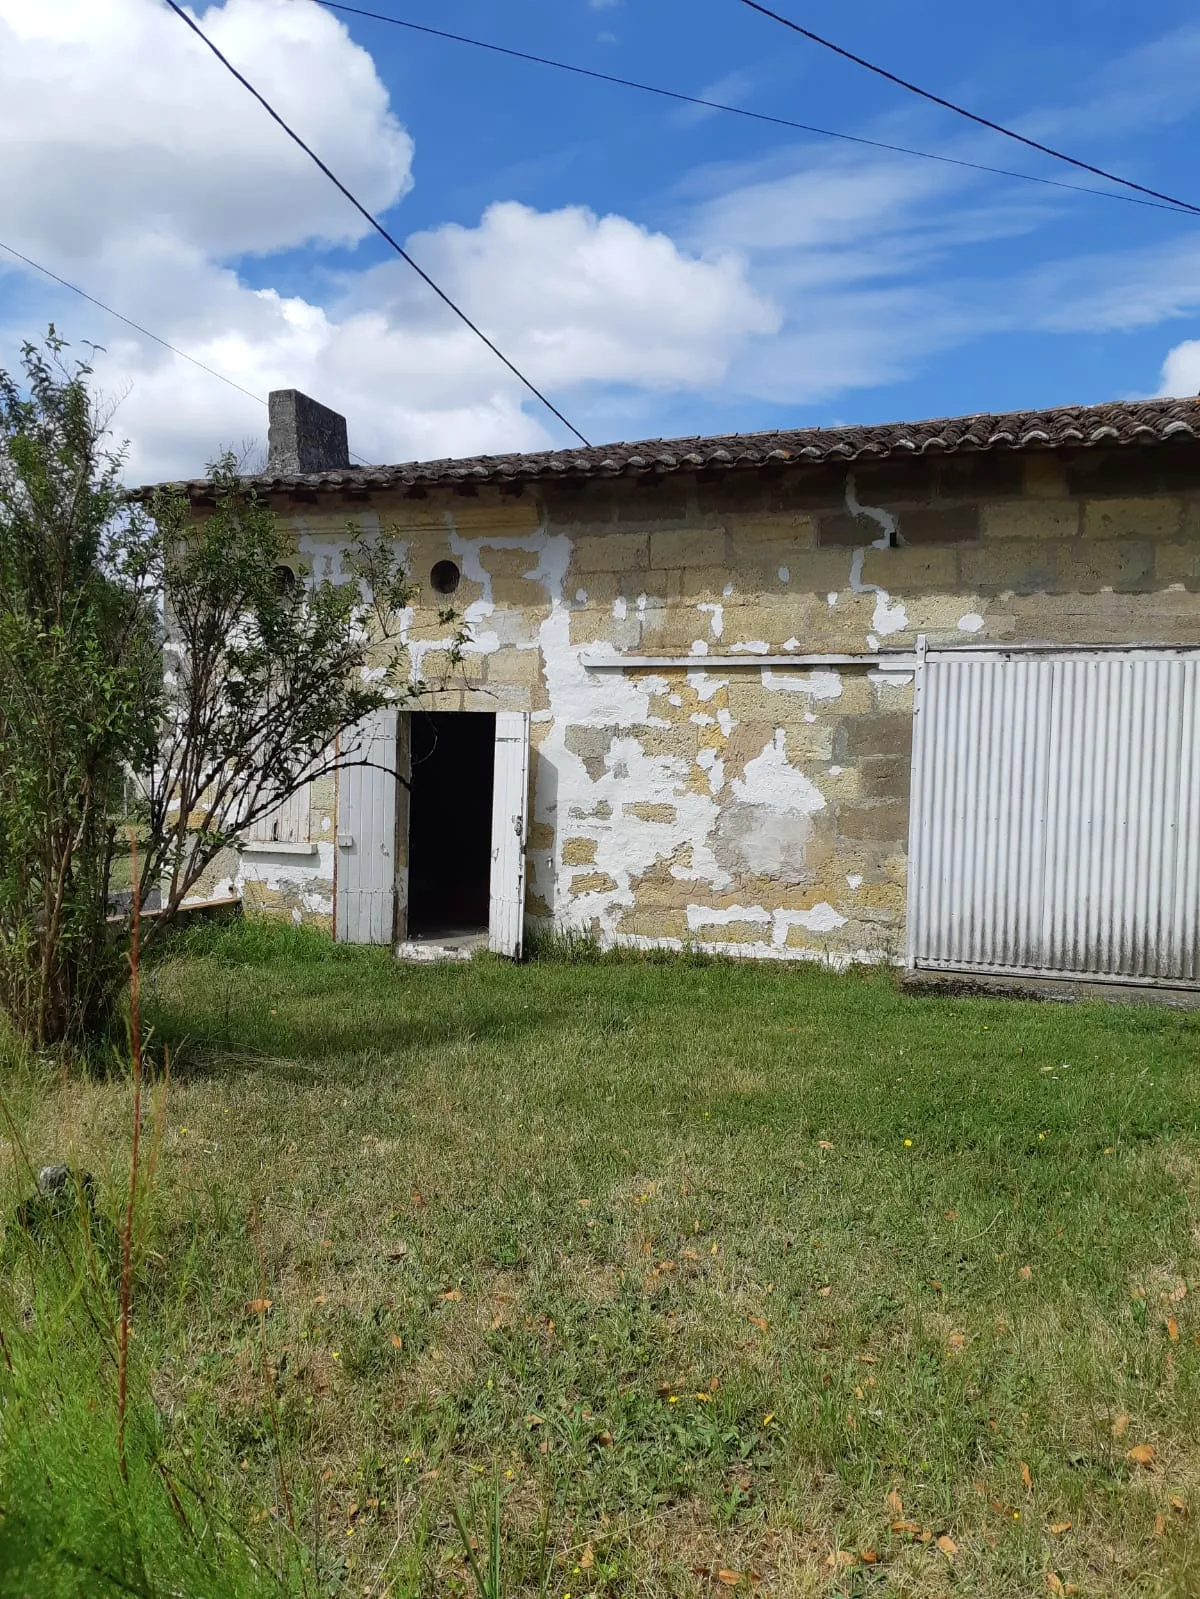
{"x": 758, "y": 808}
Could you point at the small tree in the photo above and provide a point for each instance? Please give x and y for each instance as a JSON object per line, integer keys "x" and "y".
{"x": 140, "y": 642}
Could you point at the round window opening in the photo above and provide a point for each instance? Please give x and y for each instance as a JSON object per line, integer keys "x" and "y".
{"x": 445, "y": 577}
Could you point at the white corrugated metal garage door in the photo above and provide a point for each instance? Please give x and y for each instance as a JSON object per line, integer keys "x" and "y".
{"x": 1056, "y": 814}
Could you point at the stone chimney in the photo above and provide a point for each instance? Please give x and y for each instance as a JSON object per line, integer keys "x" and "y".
{"x": 303, "y": 436}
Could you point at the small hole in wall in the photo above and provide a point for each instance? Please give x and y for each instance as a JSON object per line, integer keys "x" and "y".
{"x": 285, "y": 580}
{"x": 444, "y": 578}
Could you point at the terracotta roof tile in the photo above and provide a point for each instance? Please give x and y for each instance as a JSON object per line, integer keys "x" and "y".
{"x": 1136, "y": 422}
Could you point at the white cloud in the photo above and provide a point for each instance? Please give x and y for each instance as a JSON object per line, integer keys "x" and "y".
{"x": 1181, "y": 369}
{"x": 135, "y": 164}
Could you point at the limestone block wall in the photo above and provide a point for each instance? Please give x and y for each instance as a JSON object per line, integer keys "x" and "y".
{"x": 755, "y": 808}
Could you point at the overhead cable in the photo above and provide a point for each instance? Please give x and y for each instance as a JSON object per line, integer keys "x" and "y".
{"x": 374, "y": 222}
{"x": 971, "y": 116}
{"x": 138, "y": 328}
{"x": 738, "y": 111}
{"x": 129, "y": 322}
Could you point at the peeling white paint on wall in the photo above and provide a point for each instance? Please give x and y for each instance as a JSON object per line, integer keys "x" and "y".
{"x": 771, "y": 780}
{"x": 817, "y": 685}
{"x": 785, "y": 575}
{"x": 704, "y": 686}
{"x": 619, "y": 608}
{"x": 716, "y": 613}
{"x": 711, "y": 763}
{"x": 888, "y": 618}
{"x": 700, "y": 647}
{"x": 971, "y": 623}
{"x": 753, "y": 647}
{"x": 855, "y": 880}
{"x": 821, "y": 918}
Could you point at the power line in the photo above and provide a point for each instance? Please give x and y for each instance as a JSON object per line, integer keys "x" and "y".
{"x": 971, "y": 116}
{"x": 129, "y": 322}
{"x": 739, "y": 111}
{"x": 138, "y": 328}
{"x": 377, "y": 225}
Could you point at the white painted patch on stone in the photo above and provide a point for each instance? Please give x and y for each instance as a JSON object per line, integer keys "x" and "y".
{"x": 831, "y": 599}
{"x": 785, "y": 575}
{"x": 771, "y": 780}
{"x": 711, "y": 763}
{"x": 699, "y": 916}
{"x": 855, "y": 880}
{"x": 821, "y": 918}
{"x": 640, "y": 606}
{"x": 817, "y": 685}
{"x": 888, "y": 618}
{"x": 716, "y": 613}
{"x": 791, "y": 644}
{"x": 752, "y": 647}
{"x": 620, "y": 609}
{"x": 727, "y": 591}
{"x": 581, "y": 596}
{"x": 725, "y": 721}
{"x": 674, "y": 699}
{"x": 809, "y": 717}
{"x": 702, "y": 719}
{"x": 700, "y": 647}
{"x": 971, "y": 623}
{"x": 704, "y": 686}
{"x": 835, "y": 771}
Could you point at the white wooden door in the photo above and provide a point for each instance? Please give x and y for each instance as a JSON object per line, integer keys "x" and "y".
{"x": 510, "y": 827}
{"x": 365, "y": 905}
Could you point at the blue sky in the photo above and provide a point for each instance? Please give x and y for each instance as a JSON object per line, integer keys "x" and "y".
{"x": 658, "y": 269}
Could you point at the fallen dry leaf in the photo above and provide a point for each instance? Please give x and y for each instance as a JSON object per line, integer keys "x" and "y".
{"x": 826, "y": 1291}
{"x": 1054, "y": 1583}
{"x": 1178, "y": 1504}
{"x": 840, "y": 1557}
{"x": 866, "y": 1360}
{"x": 947, "y": 1545}
{"x": 760, "y": 1322}
{"x": 950, "y": 1215}
{"x": 1141, "y": 1454}
{"x": 925, "y": 1535}
{"x": 868, "y": 1557}
{"x": 451, "y": 1293}
{"x": 418, "y": 1199}
{"x": 957, "y": 1341}
{"x": 605, "y": 1440}
{"x": 895, "y": 1502}
{"x": 823, "y": 1143}
{"x": 906, "y": 1526}
{"x": 588, "y": 1558}
{"x": 691, "y": 1254}
{"x": 258, "y": 1307}
{"x": 1058, "y": 1527}
{"x": 729, "y": 1579}
{"x": 397, "y": 1341}
{"x": 1180, "y": 1292}
{"x": 1026, "y": 1272}
{"x": 1160, "y": 1525}
{"x": 1026, "y": 1475}
{"x": 1172, "y": 1329}
{"x": 321, "y": 1299}
{"x": 1120, "y": 1427}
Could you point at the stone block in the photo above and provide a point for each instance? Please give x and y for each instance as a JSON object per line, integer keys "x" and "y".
{"x": 884, "y": 822}
{"x": 579, "y": 852}
{"x": 688, "y": 547}
{"x": 1044, "y": 477}
{"x": 1126, "y": 472}
{"x": 884, "y": 777}
{"x": 610, "y": 552}
{"x": 691, "y": 583}
{"x": 982, "y": 476}
{"x": 844, "y": 531}
{"x": 515, "y": 666}
{"x": 1126, "y": 565}
{"x": 950, "y": 524}
{"x": 906, "y": 571}
{"x": 1157, "y": 518}
{"x": 591, "y": 883}
{"x": 1178, "y": 563}
{"x": 880, "y": 734}
{"x": 647, "y": 812}
{"x": 541, "y": 835}
{"x": 1031, "y": 519}
{"x": 1022, "y": 566}
{"x": 771, "y": 539}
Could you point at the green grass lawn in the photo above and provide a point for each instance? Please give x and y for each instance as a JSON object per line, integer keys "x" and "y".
{"x": 715, "y": 1269}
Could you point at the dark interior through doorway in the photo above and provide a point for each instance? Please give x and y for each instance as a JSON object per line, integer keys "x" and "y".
{"x": 450, "y": 822}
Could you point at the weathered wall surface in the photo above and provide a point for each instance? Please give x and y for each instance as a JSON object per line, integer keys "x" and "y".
{"x": 760, "y": 809}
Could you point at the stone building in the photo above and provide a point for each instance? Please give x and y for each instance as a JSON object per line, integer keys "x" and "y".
{"x": 708, "y": 655}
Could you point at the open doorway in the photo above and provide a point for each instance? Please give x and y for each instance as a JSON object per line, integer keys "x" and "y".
{"x": 450, "y": 823}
